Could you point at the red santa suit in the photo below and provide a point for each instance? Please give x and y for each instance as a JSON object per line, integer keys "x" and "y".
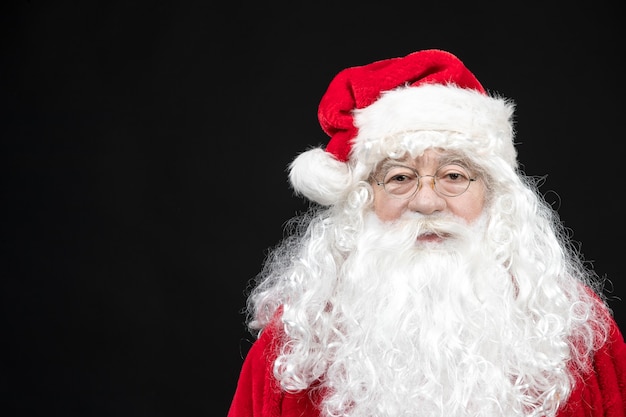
{"x": 600, "y": 393}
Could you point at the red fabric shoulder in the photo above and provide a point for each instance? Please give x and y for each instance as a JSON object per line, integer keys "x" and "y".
{"x": 602, "y": 392}
{"x": 258, "y": 393}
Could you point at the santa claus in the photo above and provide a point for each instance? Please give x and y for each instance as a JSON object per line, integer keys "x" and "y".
{"x": 429, "y": 277}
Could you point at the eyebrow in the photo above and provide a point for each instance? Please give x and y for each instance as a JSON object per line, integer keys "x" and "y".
{"x": 451, "y": 158}
{"x": 456, "y": 160}
{"x": 392, "y": 163}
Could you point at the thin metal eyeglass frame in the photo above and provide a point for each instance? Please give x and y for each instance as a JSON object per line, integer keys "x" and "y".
{"x": 419, "y": 183}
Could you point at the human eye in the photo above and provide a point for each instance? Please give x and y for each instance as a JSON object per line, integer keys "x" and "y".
{"x": 400, "y": 175}
{"x": 453, "y": 174}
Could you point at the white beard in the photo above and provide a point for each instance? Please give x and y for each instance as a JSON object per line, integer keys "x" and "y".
{"x": 430, "y": 329}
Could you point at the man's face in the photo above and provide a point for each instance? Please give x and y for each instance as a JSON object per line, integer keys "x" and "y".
{"x": 426, "y": 200}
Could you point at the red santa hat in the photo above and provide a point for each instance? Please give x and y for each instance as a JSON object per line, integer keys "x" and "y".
{"x": 379, "y": 110}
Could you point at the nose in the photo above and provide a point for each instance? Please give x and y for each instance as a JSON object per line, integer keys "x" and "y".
{"x": 426, "y": 200}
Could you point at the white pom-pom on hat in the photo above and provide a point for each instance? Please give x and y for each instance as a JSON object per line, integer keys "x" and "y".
{"x": 319, "y": 176}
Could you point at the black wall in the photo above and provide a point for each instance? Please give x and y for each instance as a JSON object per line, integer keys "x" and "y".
{"x": 144, "y": 154}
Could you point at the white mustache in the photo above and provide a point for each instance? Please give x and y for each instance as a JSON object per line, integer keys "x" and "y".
{"x": 441, "y": 225}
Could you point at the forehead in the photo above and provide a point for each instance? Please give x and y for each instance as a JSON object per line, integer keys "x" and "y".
{"x": 430, "y": 158}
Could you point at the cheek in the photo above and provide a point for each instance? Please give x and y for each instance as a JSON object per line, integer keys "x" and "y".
{"x": 469, "y": 208}
{"x": 387, "y": 209}
{"x": 469, "y": 212}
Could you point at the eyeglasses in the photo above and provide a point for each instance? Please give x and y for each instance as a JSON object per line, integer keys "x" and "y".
{"x": 403, "y": 182}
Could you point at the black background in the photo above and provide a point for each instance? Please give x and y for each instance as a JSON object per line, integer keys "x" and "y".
{"x": 144, "y": 154}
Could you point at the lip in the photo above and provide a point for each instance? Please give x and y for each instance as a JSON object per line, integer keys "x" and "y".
{"x": 430, "y": 238}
